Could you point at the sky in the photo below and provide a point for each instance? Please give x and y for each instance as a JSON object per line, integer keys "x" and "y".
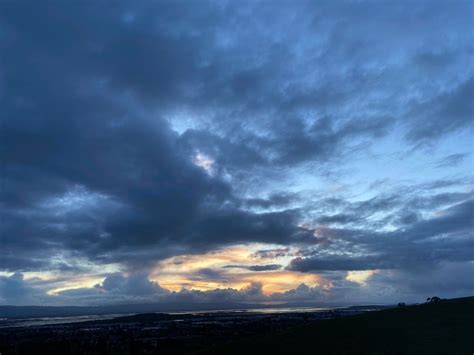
{"x": 235, "y": 151}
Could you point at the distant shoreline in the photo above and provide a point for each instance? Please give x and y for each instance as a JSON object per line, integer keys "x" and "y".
{"x": 59, "y": 320}
{"x": 22, "y": 312}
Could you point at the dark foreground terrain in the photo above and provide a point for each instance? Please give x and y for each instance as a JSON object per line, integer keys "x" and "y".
{"x": 443, "y": 328}
{"x": 446, "y": 327}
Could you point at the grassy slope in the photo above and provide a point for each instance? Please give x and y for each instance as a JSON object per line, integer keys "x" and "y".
{"x": 442, "y": 328}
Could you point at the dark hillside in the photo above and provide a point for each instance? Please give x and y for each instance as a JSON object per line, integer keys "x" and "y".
{"x": 446, "y": 327}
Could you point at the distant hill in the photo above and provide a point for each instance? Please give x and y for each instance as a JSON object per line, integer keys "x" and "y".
{"x": 446, "y": 327}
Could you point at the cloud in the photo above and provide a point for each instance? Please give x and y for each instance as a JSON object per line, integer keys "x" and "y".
{"x": 274, "y": 200}
{"x": 421, "y": 245}
{"x": 208, "y": 274}
{"x": 302, "y": 293}
{"x": 451, "y": 160}
{"x": 136, "y": 132}
{"x": 340, "y": 263}
{"x": 135, "y": 284}
{"x": 271, "y": 253}
{"x": 268, "y": 267}
{"x": 14, "y": 290}
{"x": 446, "y": 113}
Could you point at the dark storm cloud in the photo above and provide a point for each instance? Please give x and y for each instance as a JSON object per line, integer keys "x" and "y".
{"x": 84, "y": 172}
{"x": 448, "y": 112}
{"x": 290, "y": 141}
{"x": 134, "y": 284}
{"x": 422, "y": 244}
{"x": 402, "y": 205}
{"x": 340, "y": 263}
{"x": 441, "y": 282}
{"x": 15, "y": 289}
{"x": 277, "y": 227}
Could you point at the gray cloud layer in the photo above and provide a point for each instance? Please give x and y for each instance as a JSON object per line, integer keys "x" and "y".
{"x": 103, "y": 108}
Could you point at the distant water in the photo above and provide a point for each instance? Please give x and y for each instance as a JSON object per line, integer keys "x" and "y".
{"x": 30, "y": 322}
{"x": 263, "y": 310}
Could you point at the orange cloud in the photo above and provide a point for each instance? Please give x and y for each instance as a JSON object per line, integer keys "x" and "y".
{"x": 184, "y": 271}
